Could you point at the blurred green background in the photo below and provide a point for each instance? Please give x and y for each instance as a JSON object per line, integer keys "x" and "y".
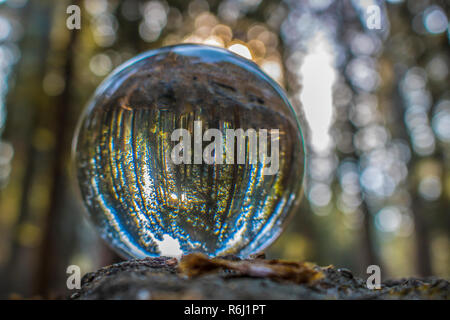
{"x": 372, "y": 92}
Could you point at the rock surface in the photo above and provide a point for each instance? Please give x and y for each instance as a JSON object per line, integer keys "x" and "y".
{"x": 198, "y": 277}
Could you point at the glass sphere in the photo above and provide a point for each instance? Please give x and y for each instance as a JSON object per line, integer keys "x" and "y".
{"x": 189, "y": 148}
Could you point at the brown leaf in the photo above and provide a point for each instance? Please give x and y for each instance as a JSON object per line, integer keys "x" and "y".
{"x": 197, "y": 264}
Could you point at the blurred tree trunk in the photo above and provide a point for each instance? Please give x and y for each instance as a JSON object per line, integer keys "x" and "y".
{"x": 47, "y": 258}
{"x": 403, "y": 20}
{"x": 33, "y": 14}
{"x": 368, "y": 253}
{"x": 422, "y": 237}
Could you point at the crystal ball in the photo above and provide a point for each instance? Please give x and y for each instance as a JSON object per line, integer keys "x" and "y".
{"x": 189, "y": 148}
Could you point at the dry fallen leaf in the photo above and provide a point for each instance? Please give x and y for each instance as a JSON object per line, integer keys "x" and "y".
{"x": 197, "y": 264}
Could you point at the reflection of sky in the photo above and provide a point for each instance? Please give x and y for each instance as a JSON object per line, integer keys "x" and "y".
{"x": 318, "y": 76}
{"x": 435, "y": 20}
{"x": 441, "y": 120}
{"x": 417, "y": 100}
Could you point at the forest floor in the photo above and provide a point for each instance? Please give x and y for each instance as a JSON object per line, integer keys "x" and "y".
{"x": 197, "y": 277}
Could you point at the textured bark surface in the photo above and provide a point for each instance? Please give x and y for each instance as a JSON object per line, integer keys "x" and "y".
{"x": 197, "y": 277}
